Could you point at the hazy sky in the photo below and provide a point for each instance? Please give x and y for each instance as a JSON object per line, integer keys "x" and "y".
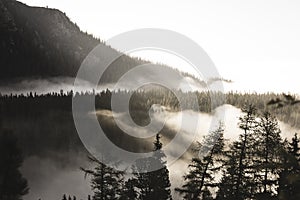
{"x": 255, "y": 43}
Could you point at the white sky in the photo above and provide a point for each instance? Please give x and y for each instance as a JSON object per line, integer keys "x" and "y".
{"x": 255, "y": 43}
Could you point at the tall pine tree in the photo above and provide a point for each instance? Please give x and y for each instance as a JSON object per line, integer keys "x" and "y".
{"x": 267, "y": 159}
{"x": 204, "y": 169}
{"x": 153, "y": 184}
{"x": 107, "y": 183}
{"x": 238, "y": 180}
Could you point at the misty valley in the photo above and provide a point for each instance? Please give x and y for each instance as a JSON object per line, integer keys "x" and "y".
{"x": 55, "y": 161}
{"x": 144, "y": 129}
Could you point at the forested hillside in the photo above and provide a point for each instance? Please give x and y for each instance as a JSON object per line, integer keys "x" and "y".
{"x": 40, "y": 42}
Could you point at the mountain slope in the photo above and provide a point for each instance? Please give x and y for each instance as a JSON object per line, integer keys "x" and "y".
{"x": 39, "y": 42}
{"x": 42, "y": 42}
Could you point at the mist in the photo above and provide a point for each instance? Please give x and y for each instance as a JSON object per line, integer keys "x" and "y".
{"x": 227, "y": 114}
{"x": 56, "y": 84}
{"x": 49, "y": 178}
{"x": 42, "y": 86}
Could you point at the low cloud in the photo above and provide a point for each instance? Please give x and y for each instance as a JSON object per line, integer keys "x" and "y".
{"x": 49, "y": 179}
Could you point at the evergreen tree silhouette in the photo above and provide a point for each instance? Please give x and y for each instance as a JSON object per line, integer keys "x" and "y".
{"x": 162, "y": 188}
{"x": 227, "y": 186}
{"x": 153, "y": 184}
{"x": 107, "y": 183}
{"x": 203, "y": 168}
{"x": 294, "y": 148}
{"x": 267, "y": 158}
{"x": 237, "y": 181}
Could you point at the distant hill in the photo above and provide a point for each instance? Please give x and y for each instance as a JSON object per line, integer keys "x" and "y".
{"x": 38, "y": 42}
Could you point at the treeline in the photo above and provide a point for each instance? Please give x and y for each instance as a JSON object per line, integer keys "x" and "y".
{"x": 30, "y": 115}
{"x": 143, "y": 100}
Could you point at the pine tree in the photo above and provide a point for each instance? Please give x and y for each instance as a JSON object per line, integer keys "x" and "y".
{"x": 203, "y": 170}
{"x": 294, "y": 148}
{"x": 153, "y": 184}
{"x": 12, "y": 185}
{"x": 268, "y": 156}
{"x": 238, "y": 181}
{"x": 107, "y": 182}
{"x": 162, "y": 186}
{"x": 228, "y": 184}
